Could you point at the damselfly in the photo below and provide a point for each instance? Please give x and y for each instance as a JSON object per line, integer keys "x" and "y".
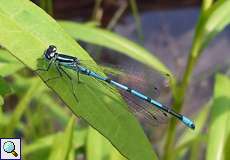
{"x": 73, "y": 63}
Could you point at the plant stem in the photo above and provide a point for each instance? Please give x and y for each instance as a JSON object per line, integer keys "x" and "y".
{"x": 97, "y": 12}
{"x": 181, "y": 87}
{"x": 170, "y": 139}
{"x": 195, "y": 149}
{"x": 172, "y": 130}
{"x": 179, "y": 96}
{"x": 206, "y": 5}
{"x": 136, "y": 16}
{"x": 117, "y": 15}
{"x": 50, "y": 7}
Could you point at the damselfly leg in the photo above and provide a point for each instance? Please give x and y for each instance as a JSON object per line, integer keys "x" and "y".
{"x": 61, "y": 74}
{"x": 71, "y": 81}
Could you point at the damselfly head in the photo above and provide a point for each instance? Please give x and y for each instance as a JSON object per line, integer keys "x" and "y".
{"x": 50, "y": 52}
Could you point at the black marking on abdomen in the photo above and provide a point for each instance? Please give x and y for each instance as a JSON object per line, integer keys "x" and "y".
{"x": 148, "y": 99}
{"x": 179, "y": 116}
{"x": 108, "y": 80}
{"x": 129, "y": 90}
{"x": 88, "y": 72}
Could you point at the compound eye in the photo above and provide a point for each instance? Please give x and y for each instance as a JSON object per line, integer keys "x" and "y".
{"x": 52, "y": 48}
{"x": 50, "y": 52}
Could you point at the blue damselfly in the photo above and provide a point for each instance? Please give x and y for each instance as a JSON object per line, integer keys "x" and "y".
{"x": 73, "y": 63}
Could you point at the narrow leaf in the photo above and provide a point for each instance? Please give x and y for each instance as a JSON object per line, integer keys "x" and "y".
{"x": 4, "y": 87}
{"x": 26, "y": 32}
{"x": 63, "y": 144}
{"x": 200, "y": 121}
{"x": 219, "y": 130}
{"x": 21, "y": 107}
{"x": 47, "y": 142}
{"x": 211, "y": 22}
{"x": 189, "y": 137}
{"x": 115, "y": 155}
{"x": 96, "y": 139}
{"x": 105, "y": 149}
{"x": 113, "y": 41}
{"x": 8, "y": 63}
{"x": 1, "y": 103}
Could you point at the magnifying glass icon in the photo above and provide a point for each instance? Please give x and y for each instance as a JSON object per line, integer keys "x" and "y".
{"x": 9, "y": 147}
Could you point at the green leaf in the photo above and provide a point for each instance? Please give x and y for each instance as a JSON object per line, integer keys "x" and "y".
{"x": 189, "y": 136}
{"x": 113, "y": 41}
{"x": 56, "y": 110}
{"x": 96, "y": 139}
{"x": 8, "y": 63}
{"x": 26, "y": 31}
{"x": 7, "y": 69}
{"x": 219, "y": 130}
{"x": 63, "y": 143}
{"x": 4, "y": 87}
{"x": 21, "y": 107}
{"x": 200, "y": 121}
{"x": 5, "y": 56}
{"x": 72, "y": 155}
{"x": 206, "y": 4}
{"x": 218, "y": 19}
{"x": 227, "y": 148}
{"x": 47, "y": 142}
{"x": 115, "y": 155}
{"x": 105, "y": 149}
{"x": 1, "y": 102}
{"x": 211, "y": 22}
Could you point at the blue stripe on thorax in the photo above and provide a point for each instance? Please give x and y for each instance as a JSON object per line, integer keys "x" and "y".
{"x": 65, "y": 58}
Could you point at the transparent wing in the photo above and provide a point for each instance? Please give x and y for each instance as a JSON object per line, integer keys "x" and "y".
{"x": 106, "y": 68}
{"x": 146, "y": 113}
{"x": 129, "y": 79}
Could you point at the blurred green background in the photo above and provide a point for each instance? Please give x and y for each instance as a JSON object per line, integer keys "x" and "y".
{"x": 187, "y": 40}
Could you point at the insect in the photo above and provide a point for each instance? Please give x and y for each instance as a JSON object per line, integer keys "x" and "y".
{"x": 73, "y": 63}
